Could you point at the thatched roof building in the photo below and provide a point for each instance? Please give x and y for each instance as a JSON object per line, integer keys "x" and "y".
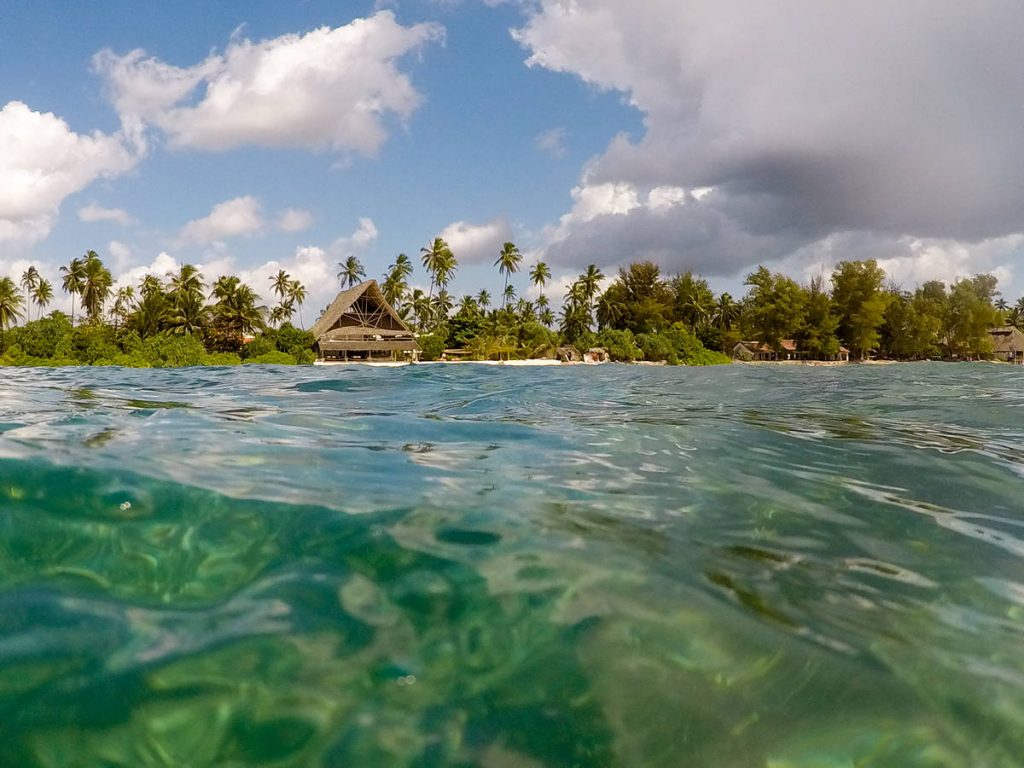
{"x": 1007, "y": 344}
{"x": 361, "y": 325}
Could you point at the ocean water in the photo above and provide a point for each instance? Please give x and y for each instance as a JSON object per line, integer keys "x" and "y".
{"x": 738, "y": 567}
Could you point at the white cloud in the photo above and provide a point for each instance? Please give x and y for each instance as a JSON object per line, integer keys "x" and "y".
{"x": 93, "y": 213}
{"x": 552, "y": 142}
{"x": 239, "y": 217}
{"x": 120, "y": 253}
{"x": 910, "y": 261}
{"x": 161, "y": 266}
{"x": 326, "y": 89}
{"x": 364, "y": 236}
{"x": 310, "y": 265}
{"x": 294, "y": 220}
{"x": 477, "y": 243}
{"x": 42, "y": 162}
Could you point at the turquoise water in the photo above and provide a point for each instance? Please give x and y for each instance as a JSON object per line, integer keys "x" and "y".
{"x": 477, "y": 566}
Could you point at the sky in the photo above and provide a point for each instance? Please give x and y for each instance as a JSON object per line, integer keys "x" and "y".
{"x": 712, "y": 135}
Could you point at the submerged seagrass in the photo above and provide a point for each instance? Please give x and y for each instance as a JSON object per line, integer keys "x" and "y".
{"x": 468, "y": 565}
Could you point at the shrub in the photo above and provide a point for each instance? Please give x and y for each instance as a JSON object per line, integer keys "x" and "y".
{"x": 677, "y": 345}
{"x": 222, "y": 358}
{"x": 657, "y": 348}
{"x": 621, "y": 345}
{"x": 295, "y": 342}
{"x": 261, "y": 345}
{"x": 432, "y": 346}
{"x": 166, "y": 351}
{"x": 91, "y": 343}
{"x": 537, "y": 340}
{"x": 274, "y": 357}
{"x": 41, "y": 338}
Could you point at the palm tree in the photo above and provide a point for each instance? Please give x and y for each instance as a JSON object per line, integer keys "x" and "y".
{"x": 73, "y": 281}
{"x": 422, "y": 308}
{"x": 508, "y": 262}
{"x": 223, "y": 287}
{"x": 442, "y": 305}
{"x": 609, "y": 310}
{"x": 42, "y": 294}
{"x": 351, "y": 273}
{"x": 282, "y": 312}
{"x": 726, "y": 312}
{"x": 393, "y": 289}
{"x": 539, "y": 276}
{"x": 576, "y": 316}
{"x": 508, "y": 295}
{"x": 236, "y": 307}
{"x": 590, "y": 281}
{"x": 10, "y": 304}
{"x": 297, "y": 294}
{"x": 483, "y": 298}
{"x": 123, "y": 301}
{"x": 279, "y": 283}
{"x": 526, "y": 311}
{"x": 395, "y": 284}
{"x": 1015, "y": 318}
{"x": 439, "y": 261}
{"x": 547, "y": 317}
{"x": 149, "y": 315}
{"x": 96, "y": 286}
{"x": 402, "y": 268}
{"x": 188, "y": 282}
{"x": 29, "y": 280}
{"x": 187, "y": 315}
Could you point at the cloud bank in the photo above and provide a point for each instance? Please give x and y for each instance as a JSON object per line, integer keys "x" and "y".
{"x": 42, "y": 162}
{"x": 891, "y": 123}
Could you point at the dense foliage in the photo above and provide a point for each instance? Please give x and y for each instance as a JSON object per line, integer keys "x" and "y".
{"x": 163, "y": 324}
{"x": 639, "y": 314}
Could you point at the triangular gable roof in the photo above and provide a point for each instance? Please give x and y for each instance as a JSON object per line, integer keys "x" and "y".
{"x": 343, "y": 303}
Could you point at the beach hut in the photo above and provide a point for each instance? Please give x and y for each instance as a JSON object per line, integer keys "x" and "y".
{"x": 361, "y": 325}
{"x": 1007, "y": 344}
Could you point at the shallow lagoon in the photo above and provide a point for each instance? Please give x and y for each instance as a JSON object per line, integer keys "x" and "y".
{"x": 471, "y": 565}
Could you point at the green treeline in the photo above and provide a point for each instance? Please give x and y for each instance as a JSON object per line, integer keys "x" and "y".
{"x": 169, "y": 323}
{"x": 640, "y": 314}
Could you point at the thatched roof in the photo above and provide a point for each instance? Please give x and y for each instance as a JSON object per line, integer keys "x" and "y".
{"x": 349, "y": 316}
{"x": 1007, "y": 339}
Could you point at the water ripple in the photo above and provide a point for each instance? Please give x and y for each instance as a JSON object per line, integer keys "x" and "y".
{"x": 459, "y": 565}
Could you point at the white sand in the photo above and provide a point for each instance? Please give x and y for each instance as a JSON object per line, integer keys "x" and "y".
{"x": 514, "y": 363}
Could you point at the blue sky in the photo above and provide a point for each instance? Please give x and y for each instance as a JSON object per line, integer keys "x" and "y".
{"x": 713, "y": 136}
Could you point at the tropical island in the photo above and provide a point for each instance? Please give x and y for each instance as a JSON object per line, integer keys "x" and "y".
{"x": 640, "y": 315}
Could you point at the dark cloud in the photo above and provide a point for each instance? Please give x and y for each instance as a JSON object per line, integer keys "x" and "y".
{"x": 809, "y": 119}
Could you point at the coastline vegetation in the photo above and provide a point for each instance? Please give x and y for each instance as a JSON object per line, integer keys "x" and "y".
{"x": 640, "y": 315}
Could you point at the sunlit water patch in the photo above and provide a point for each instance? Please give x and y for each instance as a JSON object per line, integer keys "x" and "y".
{"x": 477, "y": 566}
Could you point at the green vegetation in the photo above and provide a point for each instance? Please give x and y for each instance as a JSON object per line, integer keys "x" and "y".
{"x": 641, "y": 315}
{"x": 162, "y": 324}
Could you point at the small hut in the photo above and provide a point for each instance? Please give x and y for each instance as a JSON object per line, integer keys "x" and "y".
{"x": 361, "y": 325}
{"x": 1007, "y": 344}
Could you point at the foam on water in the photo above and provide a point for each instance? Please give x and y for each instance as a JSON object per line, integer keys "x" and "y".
{"x": 471, "y": 565}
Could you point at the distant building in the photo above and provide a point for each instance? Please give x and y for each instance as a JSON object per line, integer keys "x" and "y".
{"x": 1007, "y": 344}
{"x": 361, "y": 325}
{"x": 759, "y": 352}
